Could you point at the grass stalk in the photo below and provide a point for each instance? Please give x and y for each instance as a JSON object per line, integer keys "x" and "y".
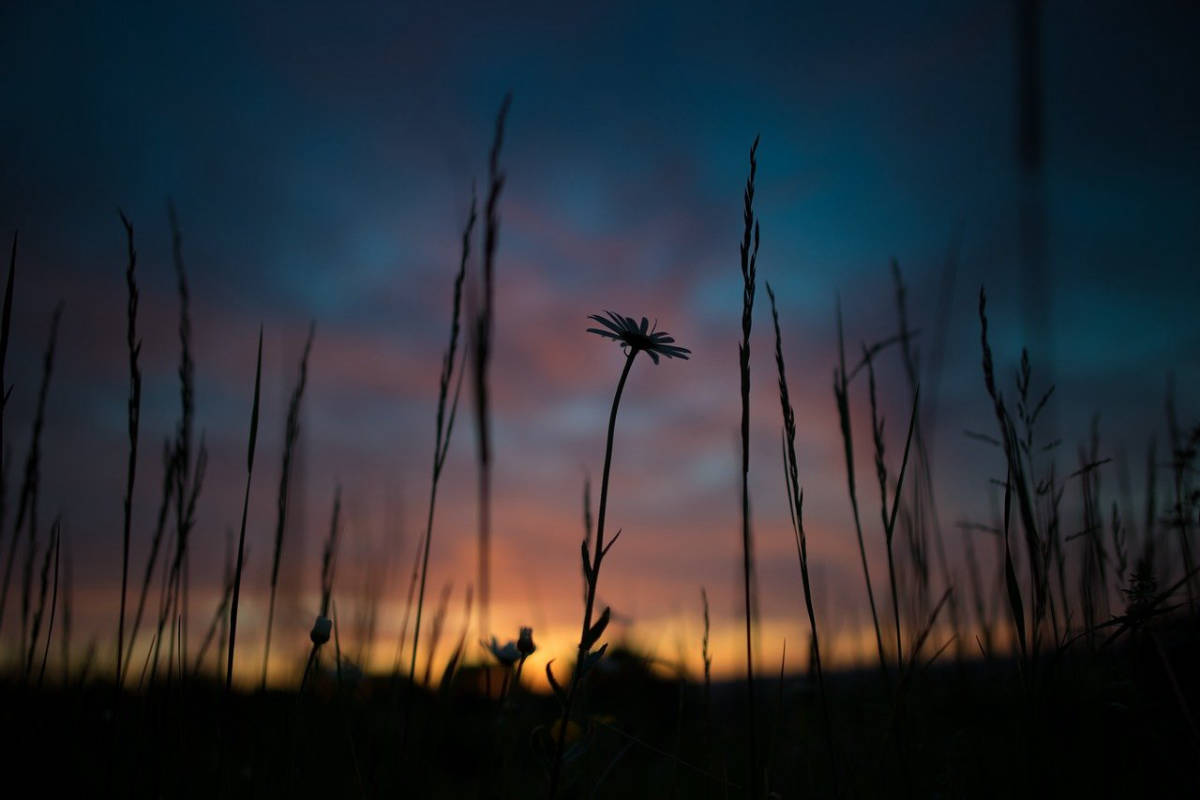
{"x": 56, "y": 539}
{"x": 795, "y": 497}
{"x": 291, "y": 435}
{"x": 67, "y": 603}
{"x": 328, "y": 562}
{"x": 1017, "y": 484}
{"x": 748, "y": 251}
{"x": 444, "y": 426}
{"x": 173, "y": 586}
{"x": 5, "y": 324}
{"x": 185, "y": 475}
{"x": 435, "y": 631}
{"x": 889, "y": 517}
{"x": 134, "y": 346}
{"x": 219, "y": 616}
{"x": 36, "y": 630}
{"x": 241, "y": 550}
{"x": 169, "y": 466}
{"x": 27, "y": 502}
{"x": 456, "y": 656}
{"x": 924, "y": 498}
{"x": 484, "y": 331}
{"x": 841, "y": 392}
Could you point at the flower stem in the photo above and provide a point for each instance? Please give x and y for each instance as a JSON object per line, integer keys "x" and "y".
{"x": 592, "y": 578}
{"x": 608, "y": 447}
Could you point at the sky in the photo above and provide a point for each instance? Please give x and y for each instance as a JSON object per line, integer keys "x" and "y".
{"x": 322, "y": 163}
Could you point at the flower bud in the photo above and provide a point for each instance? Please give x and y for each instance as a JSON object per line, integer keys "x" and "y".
{"x": 525, "y": 642}
{"x": 321, "y": 630}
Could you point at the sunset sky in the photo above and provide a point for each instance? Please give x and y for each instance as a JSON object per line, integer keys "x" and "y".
{"x": 322, "y": 161}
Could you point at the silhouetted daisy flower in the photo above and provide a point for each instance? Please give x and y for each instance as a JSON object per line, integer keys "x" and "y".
{"x": 634, "y": 337}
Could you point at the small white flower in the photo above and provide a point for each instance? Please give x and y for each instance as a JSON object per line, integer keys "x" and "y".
{"x": 507, "y": 654}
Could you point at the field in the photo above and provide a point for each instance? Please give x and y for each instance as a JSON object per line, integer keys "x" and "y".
{"x": 1065, "y": 660}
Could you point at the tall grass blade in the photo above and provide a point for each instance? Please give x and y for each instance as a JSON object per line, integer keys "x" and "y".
{"x": 134, "y": 346}
{"x": 27, "y": 501}
{"x": 443, "y": 429}
{"x": 795, "y": 497}
{"x": 748, "y": 251}
{"x": 241, "y": 550}
{"x": 841, "y": 392}
{"x": 170, "y": 464}
{"x": 56, "y": 539}
{"x": 183, "y": 435}
{"x": 5, "y": 324}
{"x": 484, "y": 331}
{"x": 35, "y": 633}
{"x": 291, "y": 435}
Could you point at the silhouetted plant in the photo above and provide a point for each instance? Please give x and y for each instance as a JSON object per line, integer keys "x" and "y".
{"x": 443, "y": 429}
{"x": 483, "y": 332}
{"x": 748, "y": 251}
{"x": 323, "y": 624}
{"x": 841, "y": 393}
{"x": 795, "y": 497}
{"x": 189, "y": 476}
{"x": 35, "y": 633}
{"x": 27, "y": 504}
{"x": 241, "y": 550}
{"x": 291, "y": 434}
{"x": 134, "y": 345}
{"x": 512, "y": 652}
{"x": 5, "y": 324}
{"x": 633, "y": 338}
{"x": 170, "y": 464}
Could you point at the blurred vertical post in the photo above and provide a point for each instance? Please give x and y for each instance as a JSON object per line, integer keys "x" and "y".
{"x": 1037, "y": 282}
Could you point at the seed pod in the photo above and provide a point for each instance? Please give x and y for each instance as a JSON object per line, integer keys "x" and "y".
{"x": 321, "y": 630}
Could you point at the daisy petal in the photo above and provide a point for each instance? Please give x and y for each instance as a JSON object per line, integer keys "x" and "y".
{"x": 605, "y": 322}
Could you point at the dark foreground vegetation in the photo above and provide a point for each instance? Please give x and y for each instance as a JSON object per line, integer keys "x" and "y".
{"x": 1106, "y": 726}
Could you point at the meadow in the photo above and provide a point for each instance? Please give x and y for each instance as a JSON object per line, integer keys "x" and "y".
{"x": 1061, "y": 658}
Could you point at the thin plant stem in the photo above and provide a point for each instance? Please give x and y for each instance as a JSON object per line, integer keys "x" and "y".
{"x": 444, "y": 427}
{"x": 5, "y": 324}
{"x": 28, "y": 500}
{"x": 291, "y": 434}
{"x": 56, "y": 535}
{"x": 749, "y": 259}
{"x": 795, "y": 497}
{"x": 35, "y": 633}
{"x": 594, "y": 574}
{"x": 841, "y": 395}
{"x": 241, "y": 551}
{"x": 484, "y": 332}
{"x": 185, "y": 472}
{"x": 169, "y": 466}
{"x": 135, "y": 404}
